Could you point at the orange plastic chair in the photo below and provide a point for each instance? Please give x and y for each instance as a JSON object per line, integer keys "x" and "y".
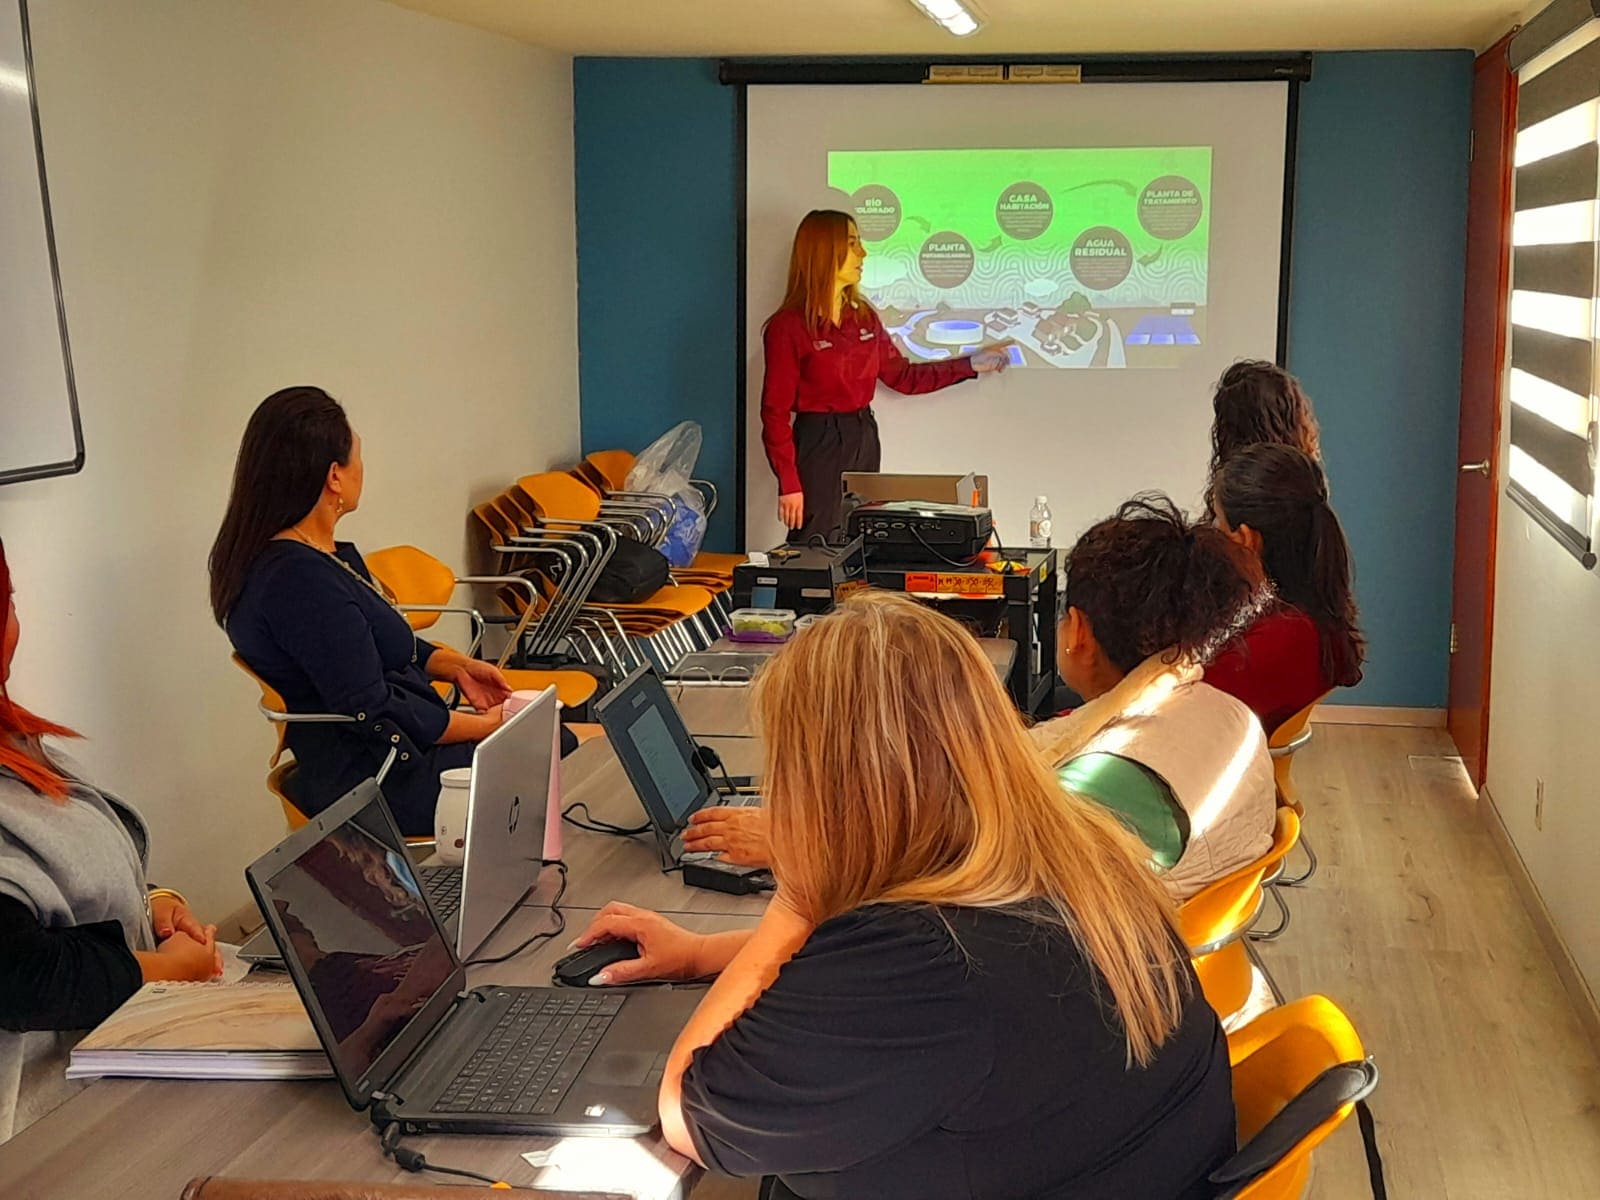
{"x": 1284, "y": 741}
{"x": 272, "y": 706}
{"x": 1276, "y": 1058}
{"x": 560, "y": 499}
{"x": 1216, "y": 921}
{"x": 607, "y": 471}
{"x": 422, "y": 587}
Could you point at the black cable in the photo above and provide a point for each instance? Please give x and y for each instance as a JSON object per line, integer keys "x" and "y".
{"x": 953, "y": 562}
{"x": 555, "y": 911}
{"x": 595, "y": 825}
{"x": 415, "y": 1161}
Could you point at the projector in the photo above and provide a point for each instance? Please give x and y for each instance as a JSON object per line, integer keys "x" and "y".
{"x": 919, "y": 531}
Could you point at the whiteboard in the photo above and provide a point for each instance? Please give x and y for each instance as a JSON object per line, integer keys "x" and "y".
{"x": 40, "y": 433}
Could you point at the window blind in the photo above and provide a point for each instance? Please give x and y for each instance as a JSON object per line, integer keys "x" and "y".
{"x": 1555, "y": 229}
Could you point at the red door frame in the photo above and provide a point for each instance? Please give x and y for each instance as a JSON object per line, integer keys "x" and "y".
{"x": 1484, "y": 322}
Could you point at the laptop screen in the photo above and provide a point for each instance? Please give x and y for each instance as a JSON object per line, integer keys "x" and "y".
{"x": 655, "y": 749}
{"x": 352, "y": 915}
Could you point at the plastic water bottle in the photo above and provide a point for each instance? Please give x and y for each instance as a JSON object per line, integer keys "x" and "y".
{"x": 1039, "y": 524}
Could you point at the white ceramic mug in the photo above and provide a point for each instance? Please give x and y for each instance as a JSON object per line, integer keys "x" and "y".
{"x": 450, "y": 816}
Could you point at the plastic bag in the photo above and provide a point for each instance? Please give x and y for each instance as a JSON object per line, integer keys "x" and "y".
{"x": 664, "y": 468}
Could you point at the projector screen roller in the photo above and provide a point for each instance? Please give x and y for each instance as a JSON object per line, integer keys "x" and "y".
{"x": 1124, "y": 238}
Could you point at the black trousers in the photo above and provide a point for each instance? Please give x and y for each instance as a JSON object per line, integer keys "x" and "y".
{"x": 826, "y": 445}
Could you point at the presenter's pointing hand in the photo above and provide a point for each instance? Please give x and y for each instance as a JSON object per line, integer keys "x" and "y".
{"x": 994, "y": 358}
{"x": 792, "y": 509}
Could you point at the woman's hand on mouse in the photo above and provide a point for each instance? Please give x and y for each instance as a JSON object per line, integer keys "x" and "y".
{"x": 736, "y": 835}
{"x": 666, "y": 951}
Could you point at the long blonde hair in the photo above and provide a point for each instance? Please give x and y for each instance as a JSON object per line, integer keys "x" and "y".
{"x": 820, "y": 245}
{"x": 898, "y": 770}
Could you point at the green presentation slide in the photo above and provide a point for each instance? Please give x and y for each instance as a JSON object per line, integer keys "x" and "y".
{"x": 1083, "y": 257}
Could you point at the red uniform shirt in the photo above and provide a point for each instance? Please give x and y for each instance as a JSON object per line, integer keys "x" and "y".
{"x": 1275, "y": 669}
{"x": 836, "y": 371}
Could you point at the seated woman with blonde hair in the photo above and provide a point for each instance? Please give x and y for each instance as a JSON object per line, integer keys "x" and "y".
{"x": 968, "y": 984}
{"x": 1149, "y": 600}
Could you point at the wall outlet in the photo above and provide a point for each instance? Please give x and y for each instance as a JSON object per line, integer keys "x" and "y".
{"x": 1538, "y": 804}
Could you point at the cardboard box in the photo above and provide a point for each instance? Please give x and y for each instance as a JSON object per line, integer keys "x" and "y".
{"x": 969, "y": 490}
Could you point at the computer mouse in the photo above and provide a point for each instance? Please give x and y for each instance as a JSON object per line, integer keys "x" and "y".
{"x": 578, "y": 968}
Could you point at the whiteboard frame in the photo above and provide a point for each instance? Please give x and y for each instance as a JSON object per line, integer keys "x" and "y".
{"x": 75, "y": 464}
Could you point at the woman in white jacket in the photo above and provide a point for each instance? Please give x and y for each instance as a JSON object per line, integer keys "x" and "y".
{"x": 1149, "y": 599}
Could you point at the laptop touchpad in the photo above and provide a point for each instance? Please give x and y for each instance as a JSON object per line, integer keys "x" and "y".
{"x": 621, "y": 1068}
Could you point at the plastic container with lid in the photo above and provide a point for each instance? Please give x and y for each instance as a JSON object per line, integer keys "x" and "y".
{"x": 761, "y": 624}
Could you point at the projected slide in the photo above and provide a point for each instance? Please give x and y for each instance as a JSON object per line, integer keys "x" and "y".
{"x": 1088, "y": 258}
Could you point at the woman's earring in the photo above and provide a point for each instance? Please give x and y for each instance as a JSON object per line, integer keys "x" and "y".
{"x": 338, "y": 502}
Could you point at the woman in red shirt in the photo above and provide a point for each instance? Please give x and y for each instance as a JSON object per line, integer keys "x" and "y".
{"x": 1273, "y": 500}
{"x": 825, "y": 352}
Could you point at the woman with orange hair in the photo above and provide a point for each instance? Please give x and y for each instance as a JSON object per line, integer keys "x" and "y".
{"x": 79, "y": 930}
{"x": 825, "y": 353}
{"x": 968, "y": 984}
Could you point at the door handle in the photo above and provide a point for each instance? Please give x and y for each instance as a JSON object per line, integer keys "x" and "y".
{"x": 1481, "y": 468}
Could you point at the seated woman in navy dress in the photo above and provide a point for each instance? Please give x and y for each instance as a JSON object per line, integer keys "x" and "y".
{"x": 303, "y": 612}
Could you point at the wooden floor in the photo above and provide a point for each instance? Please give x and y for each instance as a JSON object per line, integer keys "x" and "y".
{"x": 1490, "y": 1089}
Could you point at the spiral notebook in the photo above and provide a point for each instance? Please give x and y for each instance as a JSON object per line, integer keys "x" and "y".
{"x": 253, "y": 1029}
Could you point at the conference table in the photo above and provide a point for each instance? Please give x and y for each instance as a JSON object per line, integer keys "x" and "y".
{"x": 143, "y": 1139}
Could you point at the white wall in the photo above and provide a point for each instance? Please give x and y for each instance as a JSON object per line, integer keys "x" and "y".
{"x": 250, "y": 194}
{"x": 1544, "y": 716}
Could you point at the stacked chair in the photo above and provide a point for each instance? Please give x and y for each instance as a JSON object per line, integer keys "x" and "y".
{"x": 606, "y": 471}
{"x": 422, "y": 587}
{"x": 556, "y": 532}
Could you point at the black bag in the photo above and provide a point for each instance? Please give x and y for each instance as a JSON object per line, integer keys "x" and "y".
{"x": 634, "y": 572}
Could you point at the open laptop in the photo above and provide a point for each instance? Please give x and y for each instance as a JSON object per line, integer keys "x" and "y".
{"x": 663, "y": 763}
{"x": 408, "y": 1041}
{"x": 515, "y": 774}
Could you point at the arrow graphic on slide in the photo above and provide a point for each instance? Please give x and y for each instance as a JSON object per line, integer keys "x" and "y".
{"x": 1116, "y": 183}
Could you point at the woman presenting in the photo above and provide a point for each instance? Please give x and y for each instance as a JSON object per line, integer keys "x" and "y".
{"x": 825, "y": 352}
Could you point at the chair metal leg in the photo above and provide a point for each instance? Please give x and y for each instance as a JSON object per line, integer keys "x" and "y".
{"x": 1256, "y": 961}
{"x": 1277, "y": 931}
{"x": 1311, "y": 865}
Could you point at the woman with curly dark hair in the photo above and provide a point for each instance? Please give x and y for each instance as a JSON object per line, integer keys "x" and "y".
{"x": 1273, "y": 501}
{"x": 1149, "y": 600}
{"x": 1260, "y": 403}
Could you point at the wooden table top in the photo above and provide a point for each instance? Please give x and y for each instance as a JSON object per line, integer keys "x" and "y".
{"x": 143, "y": 1139}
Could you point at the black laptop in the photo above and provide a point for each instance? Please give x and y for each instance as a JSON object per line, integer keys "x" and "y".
{"x": 664, "y": 765}
{"x": 407, "y": 1039}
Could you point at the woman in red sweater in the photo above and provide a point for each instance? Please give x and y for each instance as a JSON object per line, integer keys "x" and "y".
{"x": 825, "y": 353}
{"x": 1273, "y": 500}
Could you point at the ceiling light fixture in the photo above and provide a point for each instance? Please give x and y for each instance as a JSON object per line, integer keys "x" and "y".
{"x": 953, "y": 15}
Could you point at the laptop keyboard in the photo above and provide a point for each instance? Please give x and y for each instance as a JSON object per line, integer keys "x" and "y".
{"x": 443, "y": 885}
{"x": 533, "y": 1054}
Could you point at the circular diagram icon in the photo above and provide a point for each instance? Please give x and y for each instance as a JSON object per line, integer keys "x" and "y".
{"x": 877, "y": 212}
{"x": 1024, "y": 210}
{"x": 1170, "y": 207}
{"x": 1101, "y": 258}
{"x": 946, "y": 259}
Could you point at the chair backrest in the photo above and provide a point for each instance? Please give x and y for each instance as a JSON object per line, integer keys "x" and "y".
{"x": 1275, "y": 1058}
{"x": 612, "y": 466}
{"x": 272, "y": 701}
{"x": 1285, "y": 740}
{"x": 278, "y": 785}
{"x": 1227, "y": 906}
{"x": 413, "y": 576}
{"x": 560, "y": 497}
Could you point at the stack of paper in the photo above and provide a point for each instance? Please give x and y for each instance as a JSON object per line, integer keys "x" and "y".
{"x": 255, "y": 1029}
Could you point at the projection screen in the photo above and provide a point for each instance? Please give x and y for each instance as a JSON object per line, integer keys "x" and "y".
{"x": 1125, "y": 237}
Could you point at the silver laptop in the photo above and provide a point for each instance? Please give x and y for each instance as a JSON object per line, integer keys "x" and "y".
{"x": 513, "y": 772}
{"x": 407, "y": 1039}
